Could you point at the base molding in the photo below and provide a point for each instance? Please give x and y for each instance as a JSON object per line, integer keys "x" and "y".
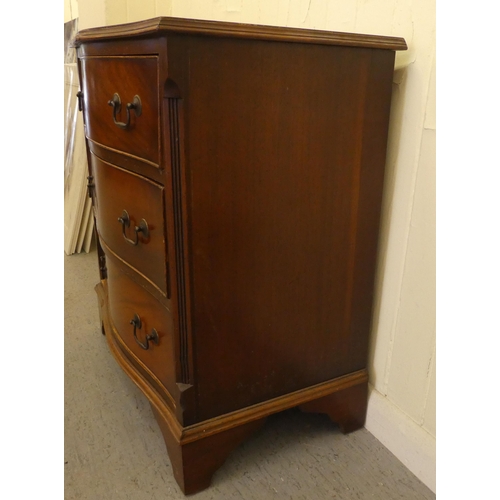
{"x": 196, "y": 451}
{"x": 408, "y": 441}
{"x": 195, "y": 461}
{"x": 347, "y": 407}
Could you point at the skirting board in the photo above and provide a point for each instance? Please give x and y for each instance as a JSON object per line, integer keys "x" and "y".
{"x": 409, "y": 442}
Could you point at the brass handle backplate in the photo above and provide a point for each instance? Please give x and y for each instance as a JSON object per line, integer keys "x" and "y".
{"x": 152, "y": 337}
{"x": 143, "y": 228}
{"x": 116, "y": 104}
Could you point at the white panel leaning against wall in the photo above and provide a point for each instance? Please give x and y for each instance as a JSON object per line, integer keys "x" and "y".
{"x": 78, "y": 217}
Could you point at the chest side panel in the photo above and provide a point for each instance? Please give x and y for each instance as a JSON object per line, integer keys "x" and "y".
{"x": 281, "y": 144}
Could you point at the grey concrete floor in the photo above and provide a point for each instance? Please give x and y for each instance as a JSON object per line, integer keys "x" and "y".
{"x": 114, "y": 449}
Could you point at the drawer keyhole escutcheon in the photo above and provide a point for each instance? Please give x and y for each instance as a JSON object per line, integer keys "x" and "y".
{"x": 152, "y": 337}
{"x": 143, "y": 228}
{"x": 116, "y": 104}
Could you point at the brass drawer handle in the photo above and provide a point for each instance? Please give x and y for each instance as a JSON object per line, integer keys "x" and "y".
{"x": 116, "y": 104}
{"x": 153, "y": 336}
{"x": 143, "y": 228}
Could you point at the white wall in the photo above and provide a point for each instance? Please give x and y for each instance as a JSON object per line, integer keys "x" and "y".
{"x": 91, "y": 13}
{"x": 402, "y": 407}
{"x": 106, "y": 12}
{"x": 70, "y": 10}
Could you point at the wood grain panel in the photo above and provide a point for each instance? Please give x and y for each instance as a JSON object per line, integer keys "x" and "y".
{"x": 278, "y": 158}
{"x": 127, "y": 76}
{"x": 125, "y": 299}
{"x": 117, "y": 190}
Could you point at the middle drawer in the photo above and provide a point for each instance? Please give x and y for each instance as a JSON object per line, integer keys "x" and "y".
{"x": 130, "y": 212}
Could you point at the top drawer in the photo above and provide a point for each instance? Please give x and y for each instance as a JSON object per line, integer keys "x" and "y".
{"x": 132, "y": 131}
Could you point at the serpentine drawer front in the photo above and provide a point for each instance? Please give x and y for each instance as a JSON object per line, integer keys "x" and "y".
{"x": 125, "y": 105}
{"x": 130, "y": 219}
{"x": 236, "y": 173}
{"x": 144, "y": 326}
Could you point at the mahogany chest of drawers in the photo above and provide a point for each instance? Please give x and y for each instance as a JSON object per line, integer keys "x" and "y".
{"x": 236, "y": 173}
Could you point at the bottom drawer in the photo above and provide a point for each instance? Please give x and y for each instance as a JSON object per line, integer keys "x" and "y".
{"x": 144, "y": 325}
